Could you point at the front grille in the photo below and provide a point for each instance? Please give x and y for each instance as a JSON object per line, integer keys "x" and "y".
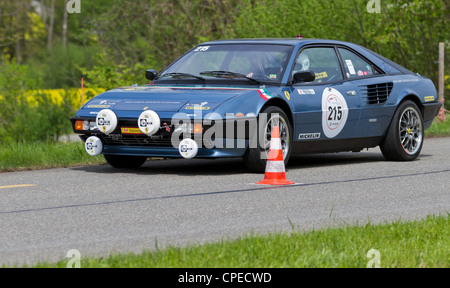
{"x": 377, "y": 93}
{"x": 136, "y": 140}
{"x": 162, "y": 138}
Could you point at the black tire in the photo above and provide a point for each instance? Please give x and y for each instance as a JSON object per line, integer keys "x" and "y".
{"x": 120, "y": 161}
{"x": 404, "y": 139}
{"x": 252, "y": 158}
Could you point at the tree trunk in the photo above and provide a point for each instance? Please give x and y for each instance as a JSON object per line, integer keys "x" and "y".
{"x": 18, "y": 51}
{"x": 50, "y": 26}
{"x": 64, "y": 36}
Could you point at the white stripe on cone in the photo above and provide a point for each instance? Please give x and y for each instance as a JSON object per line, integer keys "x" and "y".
{"x": 275, "y": 144}
{"x": 275, "y": 166}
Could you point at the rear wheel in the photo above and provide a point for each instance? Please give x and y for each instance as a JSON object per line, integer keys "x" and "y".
{"x": 121, "y": 161}
{"x": 255, "y": 159}
{"x": 404, "y": 139}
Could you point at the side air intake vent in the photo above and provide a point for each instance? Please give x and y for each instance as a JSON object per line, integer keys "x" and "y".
{"x": 377, "y": 93}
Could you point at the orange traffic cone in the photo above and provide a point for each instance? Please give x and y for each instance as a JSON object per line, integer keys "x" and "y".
{"x": 275, "y": 173}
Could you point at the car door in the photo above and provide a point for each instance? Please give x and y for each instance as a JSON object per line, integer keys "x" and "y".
{"x": 328, "y": 107}
{"x": 373, "y": 88}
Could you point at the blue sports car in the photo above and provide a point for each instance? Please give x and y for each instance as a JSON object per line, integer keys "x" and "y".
{"x": 222, "y": 98}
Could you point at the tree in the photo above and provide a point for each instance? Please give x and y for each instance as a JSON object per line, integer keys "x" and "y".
{"x": 406, "y": 31}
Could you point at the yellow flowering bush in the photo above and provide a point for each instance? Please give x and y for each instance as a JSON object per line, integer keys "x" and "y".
{"x": 39, "y": 115}
{"x": 58, "y": 96}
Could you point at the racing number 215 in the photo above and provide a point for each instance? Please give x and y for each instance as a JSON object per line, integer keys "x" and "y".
{"x": 335, "y": 113}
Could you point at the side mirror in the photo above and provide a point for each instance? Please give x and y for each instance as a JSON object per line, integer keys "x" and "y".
{"x": 304, "y": 76}
{"x": 151, "y": 74}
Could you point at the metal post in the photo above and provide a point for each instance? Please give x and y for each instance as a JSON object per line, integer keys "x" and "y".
{"x": 82, "y": 94}
{"x": 441, "y": 81}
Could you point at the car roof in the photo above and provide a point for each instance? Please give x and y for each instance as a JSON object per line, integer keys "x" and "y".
{"x": 374, "y": 57}
{"x": 284, "y": 41}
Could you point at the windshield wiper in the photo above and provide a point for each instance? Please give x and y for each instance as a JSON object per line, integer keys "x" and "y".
{"x": 228, "y": 75}
{"x": 178, "y": 75}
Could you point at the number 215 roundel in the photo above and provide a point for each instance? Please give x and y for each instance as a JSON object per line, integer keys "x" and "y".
{"x": 334, "y": 112}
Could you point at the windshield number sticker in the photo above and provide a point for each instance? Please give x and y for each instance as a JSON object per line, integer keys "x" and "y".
{"x": 201, "y": 49}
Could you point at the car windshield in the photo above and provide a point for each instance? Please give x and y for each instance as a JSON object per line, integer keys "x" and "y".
{"x": 252, "y": 62}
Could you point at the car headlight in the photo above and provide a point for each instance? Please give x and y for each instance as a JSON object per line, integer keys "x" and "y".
{"x": 85, "y": 125}
{"x": 191, "y": 128}
{"x": 93, "y": 125}
{"x": 81, "y": 125}
{"x": 196, "y": 128}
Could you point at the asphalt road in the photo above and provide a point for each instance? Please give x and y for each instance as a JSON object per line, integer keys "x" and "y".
{"x": 99, "y": 209}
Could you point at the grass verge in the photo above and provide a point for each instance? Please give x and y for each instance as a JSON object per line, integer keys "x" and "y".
{"x": 39, "y": 155}
{"x": 420, "y": 243}
{"x": 439, "y": 129}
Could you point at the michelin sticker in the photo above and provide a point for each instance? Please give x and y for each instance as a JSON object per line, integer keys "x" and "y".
{"x": 307, "y": 136}
{"x": 334, "y": 112}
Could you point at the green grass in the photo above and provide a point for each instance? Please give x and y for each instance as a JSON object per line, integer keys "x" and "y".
{"x": 420, "y": 243}
{"x": 439, "y": 129}
{"x": 23, "y": 156}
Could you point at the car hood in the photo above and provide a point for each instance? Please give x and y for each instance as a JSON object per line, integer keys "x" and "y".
{"x": 165, "y": 98}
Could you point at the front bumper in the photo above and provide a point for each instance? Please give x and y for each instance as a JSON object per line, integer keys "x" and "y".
{"x": 160, "y": 144}
{"x": 239, "y": 146}
{"x": 430, "y": 111}
{"x": 171, "y": 152}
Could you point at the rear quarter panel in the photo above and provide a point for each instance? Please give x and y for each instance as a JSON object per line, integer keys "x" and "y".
{"x": 376, "y": 118}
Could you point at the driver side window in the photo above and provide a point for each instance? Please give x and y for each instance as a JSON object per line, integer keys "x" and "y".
{"x": 322, "y": 61}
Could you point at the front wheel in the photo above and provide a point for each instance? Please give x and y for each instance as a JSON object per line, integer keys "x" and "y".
{"x": 255, "y": 159}
{"x": 404, "y": 139}
{"x": 121, "y": 161}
